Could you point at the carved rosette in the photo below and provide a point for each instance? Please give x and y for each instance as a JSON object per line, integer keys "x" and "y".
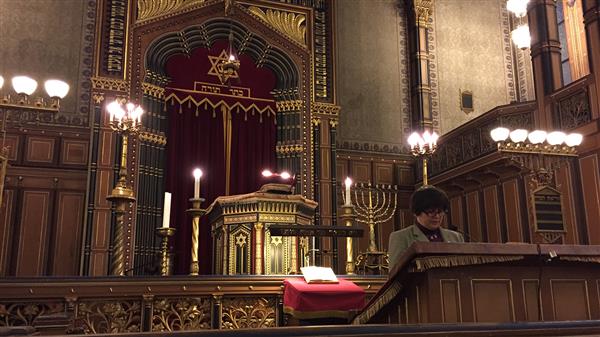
{"x": 109, "y": 317}
{"x": 248, "y": 312}
{"x": 181, "y": 314}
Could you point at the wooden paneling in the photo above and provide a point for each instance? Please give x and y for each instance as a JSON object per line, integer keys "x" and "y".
{"x": 564, "y": 186}
{"x": 384, "y": 173}
{"x": 13, "y": 144}
{"x": 6, "y": 235}
{"x": 40, "y": 150}
{"x": 360, "y": 171}
{"x": 491, "y": 214}
{"x": 456, "y": 213}
{"x": 495, "y": 294}
{"x": 406, "y": 176}
{"x": 74, "y": 152}
{"x": 450, "y": 295}
{"x": 590, "y": 182}
{"x": 531, "y": 297}
{"x": 512, "y": 210}
{"x": 67, "y": 234}
{"x": 570, "y": 300}
{"x": 473, "y": 216}
{"x": 33, "y": 228}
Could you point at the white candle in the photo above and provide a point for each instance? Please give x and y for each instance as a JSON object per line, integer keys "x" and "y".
{"x": 348, "y": 183}
{"x": 167, "y": 210}
{"x": 197, "y": 175}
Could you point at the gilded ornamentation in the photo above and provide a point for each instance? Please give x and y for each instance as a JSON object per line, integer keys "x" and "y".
{"x": 148, "y": 9}
{"x": 333, "y": 122}
{"x": 153, "y": 90}
{"x": 573, "y": 111}
{"x": 423, "y": 10}
{"x": 153, "y": 138}
{"x": 98, "y": 97}
{"x": 292, "y": 25}
{"x": 117, "y": 26}
{"x": 248, "y": 312}
{"x": 290, "y": 105}
{"x": 289, "y": 149}
{"x": 110, "y": 317}
{"x": 181, "y": 314}
{"x": 19, "y": 314}
{"x": 325, "y": 108}
{"x": 105, "y": 83}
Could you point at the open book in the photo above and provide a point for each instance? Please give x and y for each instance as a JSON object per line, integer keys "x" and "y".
{"x": 315, "y": 274}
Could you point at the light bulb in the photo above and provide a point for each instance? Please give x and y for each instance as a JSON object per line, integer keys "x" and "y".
{"x": 267, "y": 173}
{"x": 348, "y": 182}
{"x": 24, "y": 85}
{"x": 573, "y": 139}
{"x": 285, "y": 175}
{"x": 518, "y": 135}
{"x": 537, "y": 137}
{"x": 556, "y": 138}
{"x": 56, "y": 88}
{"x": 499, "y": 134}
{"x": 197, "y": 173}
{"x": 1, "y": 82}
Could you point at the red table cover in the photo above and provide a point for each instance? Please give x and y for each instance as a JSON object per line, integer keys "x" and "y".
{"x": 318, "y": 300}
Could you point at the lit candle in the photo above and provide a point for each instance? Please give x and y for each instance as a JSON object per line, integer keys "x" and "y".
{"x": 197, "y": 175}
{"x": 348, "y": 183}
{"x": 167, "y": 210}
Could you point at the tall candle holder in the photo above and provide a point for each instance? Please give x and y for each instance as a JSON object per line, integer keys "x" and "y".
{"x": 165, "y": 262}
{"x": 423, "y": 146}
{"x": 125, "y": 122}
{"x": 348, "y": 216}
{"x": 196, "y": 212}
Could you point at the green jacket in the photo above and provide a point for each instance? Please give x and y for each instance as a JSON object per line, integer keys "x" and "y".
{"x": 402, "y": 239}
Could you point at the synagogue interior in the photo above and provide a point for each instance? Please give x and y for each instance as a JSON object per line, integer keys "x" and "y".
{"x": 185, "y": 165}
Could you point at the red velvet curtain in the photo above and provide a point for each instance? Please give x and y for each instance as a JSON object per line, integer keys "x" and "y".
{"x": 199, "y": 108}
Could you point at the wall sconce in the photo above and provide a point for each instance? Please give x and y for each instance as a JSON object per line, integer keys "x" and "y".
{"x": 25, "y": 86}
{"x": 423, "y": 146}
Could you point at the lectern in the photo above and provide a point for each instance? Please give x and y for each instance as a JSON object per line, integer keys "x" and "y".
{"x": 491, "y": 283}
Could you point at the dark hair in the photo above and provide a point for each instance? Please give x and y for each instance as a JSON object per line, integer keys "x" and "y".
{"x": 428, "y": 197}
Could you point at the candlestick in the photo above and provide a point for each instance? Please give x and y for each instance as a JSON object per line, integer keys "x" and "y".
{"x": 167, "y": 210}
{"x": 196, "y": 212}
{"x": 348, "y": 183}
{"x": 165, "y": 261}
{"x": 197, "y": 176}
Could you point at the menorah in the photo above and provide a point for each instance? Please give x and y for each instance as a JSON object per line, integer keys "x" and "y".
{"x": 374, "y": 205}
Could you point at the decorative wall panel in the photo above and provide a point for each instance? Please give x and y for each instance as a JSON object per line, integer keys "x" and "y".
{"x": 33, "y": 233}
{"x": 572, "y": 295}
{"x": 74, "y": 152}
{"x": 67, "y": 233}
{"x": 40, "y": 150}
{"x": 497, "y": 294}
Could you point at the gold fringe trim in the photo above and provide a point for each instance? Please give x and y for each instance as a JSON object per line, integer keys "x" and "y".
{"x": 325, "y": 108}
{"x": 289, "y": 149}
{"x": 389, "y": 294}
{"x": 153, "y": 90}
{"x": 105, "y": 83}
{"x": 206, "y": 101}
{"x": 591, "y": 259}
{"x": 153, "y": 138}
{"x": 291, "y": 105}
{"x": 430, "y": 262}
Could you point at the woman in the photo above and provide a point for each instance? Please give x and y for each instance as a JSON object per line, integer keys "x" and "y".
{"x": 429, "y": 204}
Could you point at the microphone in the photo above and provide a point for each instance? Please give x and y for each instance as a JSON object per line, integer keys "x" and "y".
{"x": 465, "y": 235}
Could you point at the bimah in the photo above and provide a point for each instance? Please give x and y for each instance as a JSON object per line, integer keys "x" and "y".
{"x": 491, "y": 283}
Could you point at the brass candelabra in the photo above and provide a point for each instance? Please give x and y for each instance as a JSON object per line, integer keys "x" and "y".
{"x": 423, "y": 146}
{"x": 165, "y": 262}
{"x": 125, "y": 122}
{"x": 348, "y": 216}
{"x": 196, "y": 212}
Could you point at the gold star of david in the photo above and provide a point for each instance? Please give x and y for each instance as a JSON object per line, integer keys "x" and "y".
{"x": 216, "y": 67}
{"x": 276, "y": 240}
{"x": 240, "y": 240}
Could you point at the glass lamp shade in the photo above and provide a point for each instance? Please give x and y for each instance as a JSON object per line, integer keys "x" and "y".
{"x": 573, "y": 139}
{"x": 518, "y": 135}
{"x": 556, "y": 138}
{"x": 518, "y": 7}
{"x": 499, "y": 134}
{"x": 414, "y": 139}
{"x": 24, "y": 85}
{"x": 56, "y": 88}
{"x": 1, "y": 82}
{"x": 537, "y": 137}
{"x": 521, "y": 37}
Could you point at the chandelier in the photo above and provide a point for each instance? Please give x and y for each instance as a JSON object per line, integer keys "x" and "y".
{"x": 520, "y": 35}
{"x": 25, "y": 86}
{"x": 231, "y": 65}
{"x": 423, "y": 146}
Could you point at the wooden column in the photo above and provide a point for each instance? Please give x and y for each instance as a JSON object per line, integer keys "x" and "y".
{"x": 545, "y": 56}
{"x": 419, "y": 15}
{"x": 591, "y": 19}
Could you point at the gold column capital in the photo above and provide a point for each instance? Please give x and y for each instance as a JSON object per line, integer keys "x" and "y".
{"x": 423, "y": 10}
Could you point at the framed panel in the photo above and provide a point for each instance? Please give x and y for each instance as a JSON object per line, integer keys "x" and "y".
{"x": 384, "y": 173}
{"x": 67, "y": 234}
{"x": 491, "y": 214}
{"x": 473, "y": 216}
{"x": 13, "y": 143}
{"x": 513, "y": 210}
{"x": 532, "y": 301}
{"x": 492, "y": 300}
{"x": 570, "y": 300}
{"x": 361, "y": 171}
{"x": 33, "y": 228}
{"x": 451, "y": 305}
{"x": 40, "y": 150}
{"x": 74, "y": 152}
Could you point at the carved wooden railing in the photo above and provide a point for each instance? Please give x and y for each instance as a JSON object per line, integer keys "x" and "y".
{"x": 571, "y": 105}
{"x": 116, "y": 305}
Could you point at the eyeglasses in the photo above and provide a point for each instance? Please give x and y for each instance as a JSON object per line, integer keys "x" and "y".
{"x": 434, "y": 212}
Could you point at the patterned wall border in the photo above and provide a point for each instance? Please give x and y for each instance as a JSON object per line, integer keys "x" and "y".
{"x": 507, "y": 47}
{"x": 433, "y": 72}
{"x": 373, "y": 147}
{"x": 404, "y": 85}
{"x": 86, "y": 57}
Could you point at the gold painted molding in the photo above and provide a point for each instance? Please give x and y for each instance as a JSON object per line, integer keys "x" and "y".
{"x": 148, "y": 9}
{"x": 423, "y": 10}
{"x": 291, "y": 105}
{"x": 325, "y": 108}
{"x": 289, "y": 149}
{"x": 105, "y": 83}
{"x": 153, "y": 138}
{"x": 153, "y": 90}
{"x": 292, "y": 25}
